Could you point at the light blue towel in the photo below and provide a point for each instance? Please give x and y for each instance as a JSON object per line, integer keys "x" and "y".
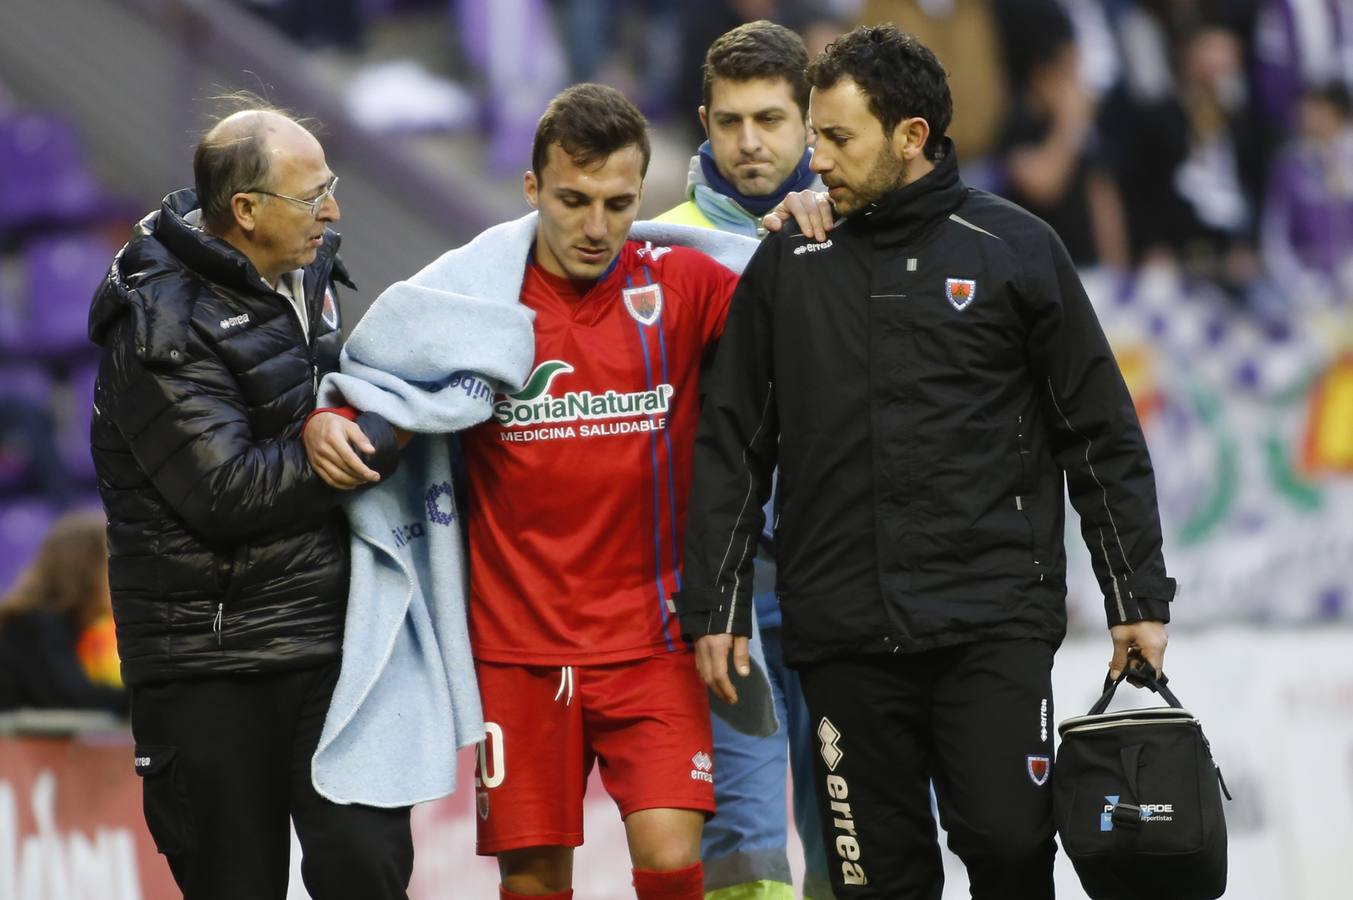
{"x": 430, "y": 356}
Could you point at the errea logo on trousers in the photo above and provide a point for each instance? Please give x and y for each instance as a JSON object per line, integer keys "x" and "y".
{"x": 828, "y": 736}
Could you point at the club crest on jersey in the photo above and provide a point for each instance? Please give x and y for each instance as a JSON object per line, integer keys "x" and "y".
{"x": 960, "y": 292}
{"x": 644, "y": 303}
{"x": 1038, "y": 767}
{"x": 329, "y": 312}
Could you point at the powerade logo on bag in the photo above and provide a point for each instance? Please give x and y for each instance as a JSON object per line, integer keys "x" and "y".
{"x": 1150, "y": 812}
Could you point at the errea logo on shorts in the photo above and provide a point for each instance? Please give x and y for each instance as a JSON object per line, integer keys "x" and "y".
{"x": 704, "y": 767}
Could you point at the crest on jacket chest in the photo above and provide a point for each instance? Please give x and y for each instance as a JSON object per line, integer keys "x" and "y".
{"x": 329, "y": 312}
{"x": 960, "y": 292}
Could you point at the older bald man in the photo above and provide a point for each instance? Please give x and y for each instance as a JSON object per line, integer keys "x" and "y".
{"x": 228, "y": 553}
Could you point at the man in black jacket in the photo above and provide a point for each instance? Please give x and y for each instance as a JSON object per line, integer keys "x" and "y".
{"x": 228, "y": 553}
{"x": 928, "y": 376}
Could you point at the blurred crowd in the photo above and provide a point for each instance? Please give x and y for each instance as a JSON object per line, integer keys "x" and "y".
{"x": 1212, "y": 139}
{"x": 1212, "y": 134}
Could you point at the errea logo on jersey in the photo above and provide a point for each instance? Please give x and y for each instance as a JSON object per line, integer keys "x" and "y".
{"x": 704, "y": 767}
{"x": 653, "y": 253}
{"x": 813, "y": 248}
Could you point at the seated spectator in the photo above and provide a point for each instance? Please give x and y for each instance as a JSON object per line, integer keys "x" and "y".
{"x": 1308, "y": 216}
{"x": 1189, "y": 161}
{"x": 56, "y": 648}
{"x": 1298, "y": 44}
{"x": 1050, "y": 145}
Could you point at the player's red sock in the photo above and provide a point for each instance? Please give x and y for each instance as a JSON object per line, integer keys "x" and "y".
{"x": 681, "y": 884}
{"x": 505, "y": 894}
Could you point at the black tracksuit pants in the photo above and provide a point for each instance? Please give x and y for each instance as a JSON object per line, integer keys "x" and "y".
{"x": 226, "y": 761}
{"x": 976, "y": 720}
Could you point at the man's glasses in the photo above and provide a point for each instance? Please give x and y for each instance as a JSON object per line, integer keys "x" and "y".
{"x": 313, "y": 205}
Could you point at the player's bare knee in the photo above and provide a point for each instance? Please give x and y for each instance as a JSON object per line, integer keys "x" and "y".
{"x": 536, "y": 870}
{"x": 666, "y": 851}
{"x": 667, "y": 858}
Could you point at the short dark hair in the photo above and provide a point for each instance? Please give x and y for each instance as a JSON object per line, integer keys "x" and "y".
{"x": 590, "y": 122}
{"x": 900, "y": 76}
{"x": 229, "y": 160}
{"x": 758, "y": 49}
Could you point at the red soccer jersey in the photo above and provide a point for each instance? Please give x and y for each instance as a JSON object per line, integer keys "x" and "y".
{"x": 578, "y": 483}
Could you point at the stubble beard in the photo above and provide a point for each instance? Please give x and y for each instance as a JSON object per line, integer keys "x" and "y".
{"x": 888, "y": 173}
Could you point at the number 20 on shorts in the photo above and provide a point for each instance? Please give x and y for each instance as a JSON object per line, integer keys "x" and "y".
{"x": 492, "y": 769}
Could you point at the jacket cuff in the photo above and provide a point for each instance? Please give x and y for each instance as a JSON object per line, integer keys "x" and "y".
{"x": 1139, "y": 598}
{"x": 382, "y": 436}
{"x": 703, "y": 612}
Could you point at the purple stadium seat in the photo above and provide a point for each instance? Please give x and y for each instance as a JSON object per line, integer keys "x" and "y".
{"x": 72, "y": 426}
{"x": 25, "y": 382}
{"x": 43, "y": 177}
{"x": 24, "y": 522}
{"x": 61, "y": 273}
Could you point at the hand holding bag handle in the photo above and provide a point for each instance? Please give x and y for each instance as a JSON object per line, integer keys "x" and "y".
{"x": 1142, "y": 674}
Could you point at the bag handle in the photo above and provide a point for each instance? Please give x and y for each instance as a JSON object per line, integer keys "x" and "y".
{"x": 1141, "y": 674}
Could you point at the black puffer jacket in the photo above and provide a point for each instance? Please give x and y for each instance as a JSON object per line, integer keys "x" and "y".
{"x": 227, "y": 553}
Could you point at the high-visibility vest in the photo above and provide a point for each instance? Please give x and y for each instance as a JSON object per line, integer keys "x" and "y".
{"x": 685, "y": 214}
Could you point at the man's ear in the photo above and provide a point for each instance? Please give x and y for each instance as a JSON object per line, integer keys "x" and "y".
{"x": 909, "y": 138}
{"x": 530, "y": 187}
{"x": 244, "y": 209}
{"x": 704, "y": 119}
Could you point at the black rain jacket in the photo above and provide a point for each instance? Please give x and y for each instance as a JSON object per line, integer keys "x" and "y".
{"x": 929, "y": 379}
{"x": 228, "y": 554}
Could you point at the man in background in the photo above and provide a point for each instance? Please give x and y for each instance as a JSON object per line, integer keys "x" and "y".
{"x": 228, "y": 555}
{"x": 754, "y": 113}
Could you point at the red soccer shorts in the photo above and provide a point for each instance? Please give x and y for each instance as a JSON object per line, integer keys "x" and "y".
{"x": 646, "y": 721}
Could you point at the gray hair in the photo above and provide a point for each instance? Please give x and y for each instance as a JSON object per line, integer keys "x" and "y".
{"x": 232, "y": 157}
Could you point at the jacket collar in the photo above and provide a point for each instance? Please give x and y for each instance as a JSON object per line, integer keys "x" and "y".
{"x": 210, "y": 256}
{"x": 907, "y": 214}
{"x": 166, "y": 243}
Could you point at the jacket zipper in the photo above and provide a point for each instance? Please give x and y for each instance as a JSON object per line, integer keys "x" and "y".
{"x": 1024, "y": 488}
{"x": 322, "y": 277}
{"x": 216, "y": 623}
